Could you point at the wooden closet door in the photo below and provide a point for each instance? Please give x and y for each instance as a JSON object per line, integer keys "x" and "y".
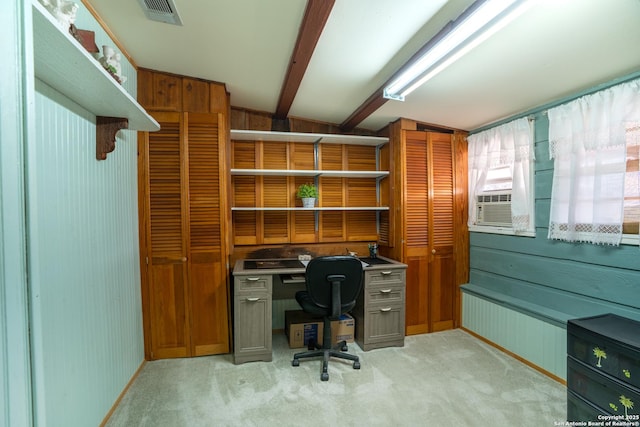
{"x": 429, "y": 232}
{"x": 166, "y": 240}
{"x": 209, "y": 327}
{"x": 442, "y": 266}
{"x": 416, "y": 231}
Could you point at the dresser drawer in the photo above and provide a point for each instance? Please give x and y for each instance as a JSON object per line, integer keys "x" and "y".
{"x": 253, "y": 283}
{"x": 607, "y": 343}
{"x": 608, "y": 393}
{"x": 374, "y": 277}
{"x": 579, "y": 409}
{"x": 384, "y": 293}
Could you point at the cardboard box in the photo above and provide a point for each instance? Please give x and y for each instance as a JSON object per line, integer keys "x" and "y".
{"x": 301, "y": 327}
{"x": 343, "y": 329}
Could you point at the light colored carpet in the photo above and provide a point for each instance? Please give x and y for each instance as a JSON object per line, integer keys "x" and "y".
{"x": 442, "y": 379}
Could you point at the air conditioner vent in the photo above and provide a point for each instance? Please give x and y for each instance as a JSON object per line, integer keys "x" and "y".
{"x": 161, "y": 11}
{"x": 494, "y": 209}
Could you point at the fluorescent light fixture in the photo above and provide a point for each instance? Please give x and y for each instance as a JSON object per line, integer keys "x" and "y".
{"x": 478, "y": 23}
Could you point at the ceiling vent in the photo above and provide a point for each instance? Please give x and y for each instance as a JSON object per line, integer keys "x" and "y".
{"x": 161, "y": 11}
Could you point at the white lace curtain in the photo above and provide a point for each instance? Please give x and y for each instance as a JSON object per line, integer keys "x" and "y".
{"x": 587, "y": 140}
{"x": 508, "y": 145}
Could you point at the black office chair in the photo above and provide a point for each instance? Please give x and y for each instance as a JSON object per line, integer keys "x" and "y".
{"x": 333, "y": 284}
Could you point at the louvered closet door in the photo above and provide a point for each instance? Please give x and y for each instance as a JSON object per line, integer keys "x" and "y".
{"x": 166, "y": 240}
{"x": 442, "y": 262}
{"x": 416, "y": 231}
{"x": 207, "y": 277}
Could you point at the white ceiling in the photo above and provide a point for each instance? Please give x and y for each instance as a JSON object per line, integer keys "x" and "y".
{"x": 557, "y": 48}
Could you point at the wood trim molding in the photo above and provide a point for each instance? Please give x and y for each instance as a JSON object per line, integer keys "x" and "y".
{"x": 515, "y": 356}
{"x": 122, "y": 393}
{"x": 315, "y": 17}
{"x": 104, "y": 26}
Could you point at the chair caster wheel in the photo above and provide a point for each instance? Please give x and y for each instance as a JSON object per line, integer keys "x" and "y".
{"x": 324, "y": 376}
{"x": 295, "y": 362}
{"x": 345, "y": 348}
{"x": 356, "y": 365}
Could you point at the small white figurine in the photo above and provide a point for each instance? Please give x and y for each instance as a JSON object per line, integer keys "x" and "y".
{"x": 64, "y": 11}
{"x": 111, "y": 62}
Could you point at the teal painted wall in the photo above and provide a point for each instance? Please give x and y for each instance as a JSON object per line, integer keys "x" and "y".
{"x": 84, "y": 273}
{"x": 586, "y": 279}
{"x": 556, "y": 280}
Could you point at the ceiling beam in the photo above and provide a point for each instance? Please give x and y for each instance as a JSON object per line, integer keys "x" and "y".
{"x": 315, "y": 17}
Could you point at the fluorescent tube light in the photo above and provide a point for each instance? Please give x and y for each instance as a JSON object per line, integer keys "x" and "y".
{"x": 486, "y": 17}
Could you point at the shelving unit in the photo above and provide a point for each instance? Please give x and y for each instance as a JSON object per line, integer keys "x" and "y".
{"x": 269, "y": 166}
{"x": 62, "y": 63}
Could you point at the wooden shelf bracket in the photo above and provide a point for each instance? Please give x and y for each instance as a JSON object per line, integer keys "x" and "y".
{"x": 106, "y": 130}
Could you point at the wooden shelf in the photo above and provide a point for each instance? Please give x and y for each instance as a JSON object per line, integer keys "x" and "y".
{"x": 339, "y": 208}
{"x": 62, "y": 63}
{"x": 310, "y": 173}
{"x": 255, "y": 135}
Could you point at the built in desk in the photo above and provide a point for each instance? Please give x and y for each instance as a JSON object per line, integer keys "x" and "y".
{"x": 379, "y": 312}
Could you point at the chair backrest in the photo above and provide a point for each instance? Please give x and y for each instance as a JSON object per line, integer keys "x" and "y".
{"x": 319, "y": 282}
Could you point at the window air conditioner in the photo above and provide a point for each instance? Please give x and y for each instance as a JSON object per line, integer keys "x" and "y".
{"x": 494, "y": 209}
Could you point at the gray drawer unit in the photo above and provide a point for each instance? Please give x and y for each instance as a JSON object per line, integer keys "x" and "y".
{"x": 252, "y": 318}
{"x": 380, "y": 310}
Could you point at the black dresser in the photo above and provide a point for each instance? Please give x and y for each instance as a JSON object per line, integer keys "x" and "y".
{"x": 603, "y": 369}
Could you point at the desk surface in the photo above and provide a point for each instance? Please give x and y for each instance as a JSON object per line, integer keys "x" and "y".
{"x": 289, "y": 266}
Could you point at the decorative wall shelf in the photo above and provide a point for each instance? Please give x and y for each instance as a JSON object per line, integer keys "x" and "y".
{"x": 310, "y": 173}
{"x": 256, "y": 135}
{"x": 61, "y": 62}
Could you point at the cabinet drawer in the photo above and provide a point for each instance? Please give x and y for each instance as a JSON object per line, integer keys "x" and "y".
{"x": 384, "y": 323}
{"x": 384, "y": 276}
{"x": 607, "y": 343}
{"x": 605, "y": 392}
{"x": 384, "y": 293}
{"x": 258, "y": 282}
{"x": 579, "y": 409}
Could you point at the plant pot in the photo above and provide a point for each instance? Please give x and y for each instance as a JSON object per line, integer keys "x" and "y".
{"x": 308, "y": 202}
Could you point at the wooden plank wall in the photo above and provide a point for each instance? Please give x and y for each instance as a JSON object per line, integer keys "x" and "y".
{"x": 606, "y": 273}
{"x": 579, "y": 279}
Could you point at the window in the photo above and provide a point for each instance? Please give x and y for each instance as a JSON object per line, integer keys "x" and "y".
{"x": 500, "y": 179}
{"x": 594, "y": 143}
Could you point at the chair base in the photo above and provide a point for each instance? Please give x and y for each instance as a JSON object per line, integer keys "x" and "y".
{"x": 326, "y": 353}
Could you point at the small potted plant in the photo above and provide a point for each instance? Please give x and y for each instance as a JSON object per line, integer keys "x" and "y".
{"x": 308, "y": 193}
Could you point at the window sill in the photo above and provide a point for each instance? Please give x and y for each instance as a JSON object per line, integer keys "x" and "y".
{"x": 501, "y": 230}
{"x": 630, "y": 239}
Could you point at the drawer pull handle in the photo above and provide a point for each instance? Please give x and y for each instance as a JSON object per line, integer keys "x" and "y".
{"x": 384, "y": 310}
{"x": 252, "y": 299}
{"x": 385, "y": 273}
{"x": 253, "y": 279}
{"x": 385, "y": 291}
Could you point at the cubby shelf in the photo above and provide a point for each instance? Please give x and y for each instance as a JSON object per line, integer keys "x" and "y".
{"x": 257, "y": 135}
{"x": 61, "y": 62}
{"x": 340, "y": 208}
{"x": 310, "y": 173}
